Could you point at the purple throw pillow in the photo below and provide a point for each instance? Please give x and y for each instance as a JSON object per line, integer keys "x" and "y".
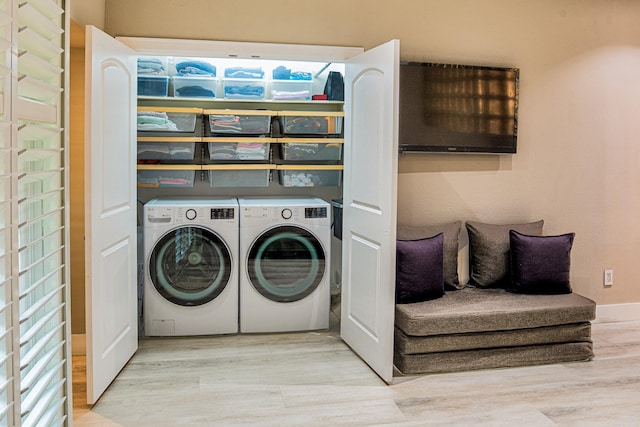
{"x": 540, "y": 264}
{"x": 419, "y": 269}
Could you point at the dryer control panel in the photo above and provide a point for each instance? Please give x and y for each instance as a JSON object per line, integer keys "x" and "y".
{"x": 223, "y": 213}
{"x": 259, "y": 215}
{"x": 315, "y": 212}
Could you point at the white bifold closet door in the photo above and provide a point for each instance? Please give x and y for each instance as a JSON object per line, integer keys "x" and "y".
{"x": 110, "y": 209}
{"x": 369, "y": 205}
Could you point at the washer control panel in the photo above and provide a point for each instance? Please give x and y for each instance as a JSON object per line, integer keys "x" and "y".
{"x": 158, "y": 214}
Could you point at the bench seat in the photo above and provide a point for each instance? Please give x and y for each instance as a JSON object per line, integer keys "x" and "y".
{"x": 476, "y": 328}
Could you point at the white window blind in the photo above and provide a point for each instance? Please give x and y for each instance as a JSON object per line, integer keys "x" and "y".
{"x": 7, "y": 206}
{"x": 33, "y": 300}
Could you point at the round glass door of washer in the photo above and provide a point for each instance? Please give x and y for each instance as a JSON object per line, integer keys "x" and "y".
{"x": 190, "y": 266}
{"x": 286, "y": 263}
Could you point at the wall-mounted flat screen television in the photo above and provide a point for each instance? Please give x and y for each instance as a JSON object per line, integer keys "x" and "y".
{"x": 448, "y": 108}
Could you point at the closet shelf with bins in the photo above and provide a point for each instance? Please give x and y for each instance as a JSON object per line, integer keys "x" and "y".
{"x": 168, "y": 134}
{"x": 243, "y": 145}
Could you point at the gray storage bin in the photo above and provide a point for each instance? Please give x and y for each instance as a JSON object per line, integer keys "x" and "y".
{"x": 238, "y": 123}
{"x": 166, "y": 178}
{"x": 244, "y": 151}
{"x": 239, "y": 177}
{"x": 311, "y": 125}
{"x": 166, "y": 150}
{"x": 154, "y": 122}
{"x": 309, "y": 177}
{"x": 310, "y": 152}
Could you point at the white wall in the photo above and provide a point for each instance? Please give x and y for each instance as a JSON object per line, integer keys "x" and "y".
{"x": 578, "y": 159}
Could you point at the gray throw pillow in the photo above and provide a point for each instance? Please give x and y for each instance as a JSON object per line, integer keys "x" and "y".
{"x": 489, "y": 251}
{"x": 451, "y": 237}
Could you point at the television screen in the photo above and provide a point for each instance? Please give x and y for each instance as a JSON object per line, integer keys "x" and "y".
{"x": 458, "y": 108}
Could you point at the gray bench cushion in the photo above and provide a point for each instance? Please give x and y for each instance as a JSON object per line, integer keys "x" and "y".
{"x": 453, "y": 361}
{"x": 479, "y": 310}
{"x": 575, "y": 332}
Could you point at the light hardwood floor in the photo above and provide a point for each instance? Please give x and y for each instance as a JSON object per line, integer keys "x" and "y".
{"x": 313, "y": 379}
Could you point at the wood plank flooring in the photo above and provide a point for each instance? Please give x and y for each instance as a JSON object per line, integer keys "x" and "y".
{"x": 313, "y": 379}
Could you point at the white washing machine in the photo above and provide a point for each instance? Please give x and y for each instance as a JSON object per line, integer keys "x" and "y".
{"x": 191, "y": 270}
{"x": 284, "y": 264}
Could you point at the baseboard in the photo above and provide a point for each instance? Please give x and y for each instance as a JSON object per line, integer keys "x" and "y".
{"x": 78, "y": 344}
{"x": 617, "y": 313}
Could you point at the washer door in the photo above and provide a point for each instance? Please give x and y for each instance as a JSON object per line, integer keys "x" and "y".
{"x": 286, "y": 263}
{"x": 190, "y": 266}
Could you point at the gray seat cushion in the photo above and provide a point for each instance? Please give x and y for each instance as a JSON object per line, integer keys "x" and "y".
{"x": 575, "y": 332}
{"x": 505, "y": 357}
{"x": 478, "y": 310}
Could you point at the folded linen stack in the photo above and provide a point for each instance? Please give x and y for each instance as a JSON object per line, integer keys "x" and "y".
{"x": 195, "y": 68}
{"x": 155, "y": 121}
{"x": 283, "y": 73}
{"x": 150, "y": 66}
{"x": 244, "y": 73}
{"x": 238, "y": 151}
{"x": 223, "y": 123}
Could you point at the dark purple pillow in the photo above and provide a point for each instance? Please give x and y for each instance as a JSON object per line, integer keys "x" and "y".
{"x": 540, "y": 264}
{"x": 419, "y": 269}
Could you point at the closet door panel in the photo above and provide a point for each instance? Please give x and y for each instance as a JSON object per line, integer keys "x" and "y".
{"x": 110, "y": 210}
{"x": 369, "y": 206}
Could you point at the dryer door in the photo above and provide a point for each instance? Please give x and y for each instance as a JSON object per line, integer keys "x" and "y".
{"x": 286, "y": 263}
{"x": 190, "y": 266}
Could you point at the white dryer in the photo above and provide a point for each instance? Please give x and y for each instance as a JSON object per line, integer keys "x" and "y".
{"x": 284, "y": 261}
{"x": 191, "y": 270}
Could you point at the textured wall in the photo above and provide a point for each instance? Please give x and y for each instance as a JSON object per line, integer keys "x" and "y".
{"x": 578, "y": 159}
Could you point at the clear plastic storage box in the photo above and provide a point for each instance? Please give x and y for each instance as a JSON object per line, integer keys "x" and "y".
{"x": 291, "y": 89}
{"x": 244, "y": 89}
{"x": 153, "y": 85}
{"x": 195, "y": 87}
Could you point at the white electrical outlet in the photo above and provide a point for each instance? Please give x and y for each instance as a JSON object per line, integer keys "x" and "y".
{"x": 608, "y": 278}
